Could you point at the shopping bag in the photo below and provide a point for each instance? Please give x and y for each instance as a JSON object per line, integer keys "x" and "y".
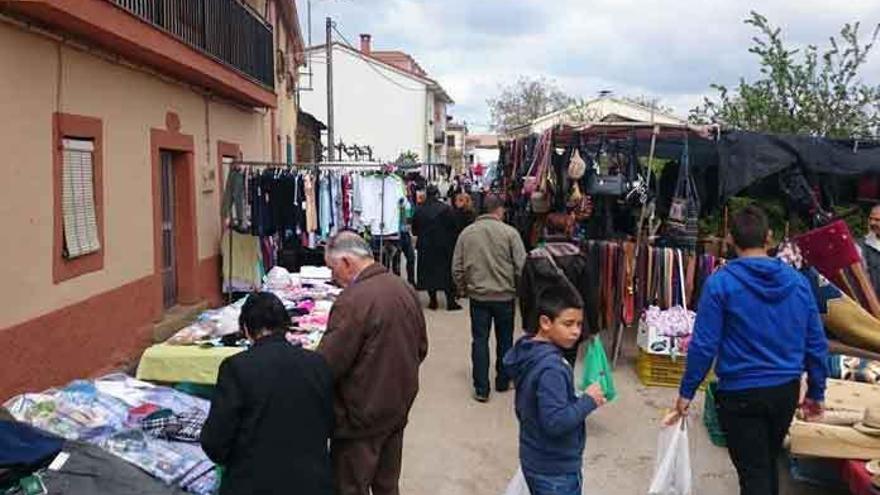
{"x": 672, "y": 469}
{"x": 598, "y": 370}
{"x": 517, "y": 485}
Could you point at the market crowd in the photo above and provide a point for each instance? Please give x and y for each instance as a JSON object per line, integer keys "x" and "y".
{"x": 340, "y": 428}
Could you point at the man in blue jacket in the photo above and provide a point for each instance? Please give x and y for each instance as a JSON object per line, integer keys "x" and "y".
{"x": 758, "y": 319}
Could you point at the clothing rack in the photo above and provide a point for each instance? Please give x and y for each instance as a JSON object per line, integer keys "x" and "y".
{"x": 339, "y": 165}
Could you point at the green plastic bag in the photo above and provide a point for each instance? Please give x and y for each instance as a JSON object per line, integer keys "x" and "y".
{"x": 597, "y": 369}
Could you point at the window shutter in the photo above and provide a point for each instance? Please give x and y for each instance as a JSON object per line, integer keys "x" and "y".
{"x": 78, "y": 199}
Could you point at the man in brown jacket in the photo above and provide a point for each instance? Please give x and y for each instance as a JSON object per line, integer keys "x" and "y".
{"x": 375, "y": 341}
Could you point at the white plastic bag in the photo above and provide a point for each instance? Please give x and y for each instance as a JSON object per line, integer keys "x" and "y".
{"x": 672, "y": 470}
{"x": 517, "y": 485}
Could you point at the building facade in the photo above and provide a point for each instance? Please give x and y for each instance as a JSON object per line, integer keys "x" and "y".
{"x": 381, "y": 99}
{"x": 122, "y": 116}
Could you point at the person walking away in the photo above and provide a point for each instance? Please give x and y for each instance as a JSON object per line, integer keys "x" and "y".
{"x": 552, "y": 433}
{"x": 757, "y": 319}
{"x": 558, "y": 262}
{"x": 434, "y": 228}
{"x": 375, "y": 342}
{"x": 486, "y": 266}
{"x": 870, "y": 247}
{"x": 272, "y": 411}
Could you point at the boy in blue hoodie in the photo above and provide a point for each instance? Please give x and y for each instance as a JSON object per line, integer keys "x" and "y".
{"x": 551, "y": 417}
{"x": 758, "y": 319}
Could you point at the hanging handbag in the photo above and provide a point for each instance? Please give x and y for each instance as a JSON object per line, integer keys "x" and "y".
{"x": 682, "y": 222}
{"x": 535, "y": 177}
{"x": 577, "y": 167}
{"x": 602, "y": 182}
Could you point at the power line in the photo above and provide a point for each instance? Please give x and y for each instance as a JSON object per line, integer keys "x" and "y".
{"x": 370, "y": 64}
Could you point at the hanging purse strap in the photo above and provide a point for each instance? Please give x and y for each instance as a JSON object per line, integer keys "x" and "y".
{"x": 543, "y": 252}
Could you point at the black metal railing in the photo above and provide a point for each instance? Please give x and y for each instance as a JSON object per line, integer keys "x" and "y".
{"x": 223, "y": 29}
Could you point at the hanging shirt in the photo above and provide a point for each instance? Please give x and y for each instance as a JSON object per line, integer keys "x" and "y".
{"x": 379, "y": 198}
{"x": 311, "y": 206}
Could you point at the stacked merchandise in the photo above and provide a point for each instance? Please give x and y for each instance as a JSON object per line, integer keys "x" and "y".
{"x": 277, "y": 209}
{"x": 154, "y": 428}
{"x": 307, "y": 296}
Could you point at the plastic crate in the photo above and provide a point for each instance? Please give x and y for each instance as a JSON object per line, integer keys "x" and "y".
{"x": 710, "y": 417}
{"x": 656, "y": 370}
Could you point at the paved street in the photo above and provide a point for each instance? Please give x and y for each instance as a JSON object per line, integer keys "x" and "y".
{"x": 455, "y": 445}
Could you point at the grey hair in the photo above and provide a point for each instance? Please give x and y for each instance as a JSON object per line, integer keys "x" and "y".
{"x": 350, "y": 243}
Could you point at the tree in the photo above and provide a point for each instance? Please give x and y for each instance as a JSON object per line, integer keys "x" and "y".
{"x": 524, "y": 101}
{"x": 801, "y": 91}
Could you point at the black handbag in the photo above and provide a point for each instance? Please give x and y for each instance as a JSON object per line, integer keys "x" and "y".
{"x": 682, "y": 222}
{"x": 604, "y": 183}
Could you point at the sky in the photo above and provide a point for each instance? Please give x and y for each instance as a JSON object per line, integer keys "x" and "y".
{"x": 671, "y": 50}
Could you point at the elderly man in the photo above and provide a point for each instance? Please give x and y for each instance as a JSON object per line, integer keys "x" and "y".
{"x": 375, "y": 341}
{"x": 870, "y": 246}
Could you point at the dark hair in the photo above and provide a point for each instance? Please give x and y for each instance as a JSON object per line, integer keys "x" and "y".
{"x": 558, "y": 223}
{"x": 492, "y": 202}
{"x": 432, "y": 191}
{"x": 553, "y": 300}
{"x": 263, "y": 311}
{"x": 749, "y": 228}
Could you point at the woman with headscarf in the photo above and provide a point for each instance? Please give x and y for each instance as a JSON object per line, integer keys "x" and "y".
{"x": 434, "y": 226}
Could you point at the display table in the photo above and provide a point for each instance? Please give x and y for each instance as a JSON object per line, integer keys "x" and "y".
{"x": 183, "y": 363}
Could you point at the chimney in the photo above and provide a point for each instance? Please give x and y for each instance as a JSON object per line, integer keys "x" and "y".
{"x": 365, "y": 44}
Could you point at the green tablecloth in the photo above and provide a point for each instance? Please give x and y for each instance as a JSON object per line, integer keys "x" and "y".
{"x": 183, "y": 363}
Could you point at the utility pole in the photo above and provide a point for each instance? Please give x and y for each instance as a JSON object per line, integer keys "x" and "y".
{"x": 329, "y": 48}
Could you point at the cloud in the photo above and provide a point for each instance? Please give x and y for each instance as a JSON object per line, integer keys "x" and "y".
{"x": 665, "y": 49}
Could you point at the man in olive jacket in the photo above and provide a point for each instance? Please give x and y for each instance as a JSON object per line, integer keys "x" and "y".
{"x": 375, "y": 341}
{"x": 486, "y": 266}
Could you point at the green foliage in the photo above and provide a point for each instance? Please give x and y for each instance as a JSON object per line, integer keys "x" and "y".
{"x": 801, "y": 91}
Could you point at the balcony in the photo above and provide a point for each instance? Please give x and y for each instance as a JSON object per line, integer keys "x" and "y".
{"x": 220, "y": 45}
{"x": 223, "y": 29}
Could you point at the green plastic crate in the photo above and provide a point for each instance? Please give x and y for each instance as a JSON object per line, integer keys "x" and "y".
{"x": 710, "y": 417}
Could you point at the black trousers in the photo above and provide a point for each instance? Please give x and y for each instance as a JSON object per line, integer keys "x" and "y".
{"x": 483, "y": 313}
{"x": 756, "y": 422}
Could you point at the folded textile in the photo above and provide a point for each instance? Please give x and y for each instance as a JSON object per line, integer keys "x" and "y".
{"x": 184, "y": 427}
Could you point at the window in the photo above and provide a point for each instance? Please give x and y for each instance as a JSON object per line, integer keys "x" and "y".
{"x": 450, "y": 140}
{"x": 78, "y": 198}
{"x": 78, "y": 243}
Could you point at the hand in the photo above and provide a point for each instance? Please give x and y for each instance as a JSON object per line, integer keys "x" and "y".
{"x": 595, "y": 392}
{"x": 680, "y": 410}
{"x": 813, "y": 410}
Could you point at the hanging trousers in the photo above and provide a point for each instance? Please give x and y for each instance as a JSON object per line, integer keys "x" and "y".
{"x": 368, "y": 465}
{"x": 756, "y": 422}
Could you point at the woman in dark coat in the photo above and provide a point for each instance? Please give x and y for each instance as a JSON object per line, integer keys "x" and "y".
{"x": 434, "y": 225}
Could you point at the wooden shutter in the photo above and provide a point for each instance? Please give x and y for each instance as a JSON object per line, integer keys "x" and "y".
{"x": 78, "y": 199}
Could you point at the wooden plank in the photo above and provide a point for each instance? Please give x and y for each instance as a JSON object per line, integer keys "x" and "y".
{"x": 851, "y": 395}
{"x": 835, "y": 442}
{"x": 838, "y": 347}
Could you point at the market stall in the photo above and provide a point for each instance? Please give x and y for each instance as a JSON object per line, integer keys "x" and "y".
{"x": 194, "y": 354}
{"x": 651, "y": 205}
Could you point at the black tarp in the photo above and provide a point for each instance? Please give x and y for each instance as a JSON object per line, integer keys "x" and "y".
{"x": 745, "y": 158}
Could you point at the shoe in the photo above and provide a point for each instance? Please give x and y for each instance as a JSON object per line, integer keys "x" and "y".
{"x": 454, "y": 306}
{"x": 483, "y": 398}
{"x": 432, "y": 304}
{"x": 499, "y": 387}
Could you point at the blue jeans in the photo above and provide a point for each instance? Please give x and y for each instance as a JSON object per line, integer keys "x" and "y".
{"x": 554, "y": 484}
{"x": 483, "y": 313}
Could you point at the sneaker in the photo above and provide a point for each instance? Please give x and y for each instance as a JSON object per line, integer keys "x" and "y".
{"x": 480, "y": 397}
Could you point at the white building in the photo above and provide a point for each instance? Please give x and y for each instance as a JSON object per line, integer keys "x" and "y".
{"x": 381, "y": 99}
{"x": 602, "y": 109}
